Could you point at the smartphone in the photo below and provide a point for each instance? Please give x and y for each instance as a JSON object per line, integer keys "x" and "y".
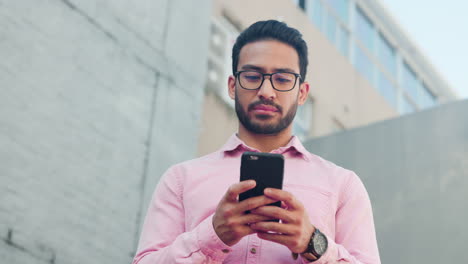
{"x": 266, "y": 169}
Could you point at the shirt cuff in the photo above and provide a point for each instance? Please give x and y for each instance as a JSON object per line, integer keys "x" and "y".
{"x": 209, "y": 242}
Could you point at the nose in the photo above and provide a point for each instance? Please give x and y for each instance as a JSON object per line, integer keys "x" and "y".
{"x": 266, "y": 91}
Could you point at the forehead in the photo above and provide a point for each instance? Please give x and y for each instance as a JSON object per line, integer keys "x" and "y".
{"x": 269, "y": 55}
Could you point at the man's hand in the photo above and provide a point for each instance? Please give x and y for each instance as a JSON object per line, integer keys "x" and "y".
{"x": 295, "y": 229}
{"x": 230, "y": 221}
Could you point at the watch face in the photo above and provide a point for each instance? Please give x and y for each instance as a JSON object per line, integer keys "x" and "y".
{"x": 320, "y": 243}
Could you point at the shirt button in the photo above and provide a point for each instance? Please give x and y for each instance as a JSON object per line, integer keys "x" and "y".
{"x": 253, "y": 250}
{"x": 225, "y": 250}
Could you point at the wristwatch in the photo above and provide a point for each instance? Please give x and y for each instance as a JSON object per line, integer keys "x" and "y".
{"x": 318, "y": 245}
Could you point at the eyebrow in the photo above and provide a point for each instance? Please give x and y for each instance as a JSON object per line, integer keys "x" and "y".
{"x": 261, "y": 69}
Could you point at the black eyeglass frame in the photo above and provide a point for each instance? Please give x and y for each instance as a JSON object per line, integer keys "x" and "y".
{"x": 297, "y": 75}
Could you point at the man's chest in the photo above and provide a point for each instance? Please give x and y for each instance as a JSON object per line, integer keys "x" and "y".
{"x": 202, "y": 194}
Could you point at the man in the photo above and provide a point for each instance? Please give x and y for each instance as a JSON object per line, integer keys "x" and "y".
{"x": 326, "y": 215}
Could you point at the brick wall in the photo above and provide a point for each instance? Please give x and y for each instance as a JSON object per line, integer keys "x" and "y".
{"x": 97, "y": 99}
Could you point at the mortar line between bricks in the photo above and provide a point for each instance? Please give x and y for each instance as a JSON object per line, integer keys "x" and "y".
{"x": 164, "y": 37}
{"x": 90, "y": 20}
{"x": 144, "y": 176}
{"x": 137, "y": 36}
{"x": 166, "y": 24}
{"x": 9, "y": 241}
{"x": 103, "y": 30}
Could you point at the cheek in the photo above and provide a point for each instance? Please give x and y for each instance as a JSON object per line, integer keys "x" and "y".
{"x": 287, "y": 101}
{"x": 245, "y": 98}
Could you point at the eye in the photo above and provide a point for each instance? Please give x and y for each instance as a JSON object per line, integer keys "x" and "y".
{"x": 251, "y": 76}
{"x": 283, "y": 77}
{"x": 282, "y": 80}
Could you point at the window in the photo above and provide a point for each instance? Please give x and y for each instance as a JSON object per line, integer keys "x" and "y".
{"x": 343, "y": 41}
{"x": 331, "y": 28}
{"x": 364, "y": 30}
{"x": 316, "y": 13}
{"x": 364, "y": 65}
{"x": 332, "y": 19}
{"x": 407, "y": 106}
{"x": 223, "y": 36}
{"x": 427, "y": 98}
{"x": 410, "y": 82}
{"x": 302, "y": 4}
{"x": 341, "y": 9}
{"x": 387, "y": 90}
{"x": 386, "y": 54}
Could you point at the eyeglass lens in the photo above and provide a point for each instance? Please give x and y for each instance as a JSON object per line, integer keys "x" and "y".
{"x": 253, "y": 80}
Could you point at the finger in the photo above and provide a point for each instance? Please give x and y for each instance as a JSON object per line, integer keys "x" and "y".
{"x": 274, "y": 227}
{"x": 253, "y": 218}
{"x": 274, "y": 237}
{"x": 275, "y": 213}
{"x": 254, "y": 202}
{"x": 285, "y": 240}
{"x": 238, "y": 188}
{"x": 247, "y": 230}
{"x": 286, "y": 197}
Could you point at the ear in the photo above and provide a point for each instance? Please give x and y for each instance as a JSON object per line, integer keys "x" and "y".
{"x": 303, "y": 92}
{"x": 232, "y": 87}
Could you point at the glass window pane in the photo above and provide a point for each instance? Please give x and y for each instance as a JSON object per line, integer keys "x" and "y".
{"x": 410, "y": 82}
{"x": 427, "y": 98}
{"x": 341, "y": 8}
{"x": 386, "y": 54}
{"x": 407, "y": 106}
{"x": 387, "y": 90}
{"x": 317, "y": 13}
{"x": 331, "y": 27}
{"x": 302, "y": 4}
{"x": 364, "y": 29}
{"x": 364, "y": 65}
{"x": 343, "y": 41}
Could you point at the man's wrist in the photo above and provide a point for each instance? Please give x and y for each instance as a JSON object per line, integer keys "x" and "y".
{"x": 317, "y": 246}
{"x": 308, "y": 256}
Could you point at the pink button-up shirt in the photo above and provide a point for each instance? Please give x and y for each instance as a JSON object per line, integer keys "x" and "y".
{"x": 178, "y": 226}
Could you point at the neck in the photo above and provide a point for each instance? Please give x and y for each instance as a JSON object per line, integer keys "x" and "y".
{"x": 265, "y": 142}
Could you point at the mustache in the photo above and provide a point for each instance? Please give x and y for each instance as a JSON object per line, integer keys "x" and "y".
{"x": 265, "y": 102}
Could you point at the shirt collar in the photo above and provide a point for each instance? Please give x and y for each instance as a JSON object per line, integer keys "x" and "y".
{"x": 235, "y": 145}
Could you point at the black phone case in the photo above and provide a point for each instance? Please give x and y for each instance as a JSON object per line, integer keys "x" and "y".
{"x": 265, "y": 168}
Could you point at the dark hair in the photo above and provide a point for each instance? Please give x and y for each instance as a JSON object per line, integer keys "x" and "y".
{"x": 272, "y": 30}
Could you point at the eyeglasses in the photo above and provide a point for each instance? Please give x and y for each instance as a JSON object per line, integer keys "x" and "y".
{"x": 280, "y": 81}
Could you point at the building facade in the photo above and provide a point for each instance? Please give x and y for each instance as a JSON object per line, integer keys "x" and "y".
{"x": 363, "y": 67}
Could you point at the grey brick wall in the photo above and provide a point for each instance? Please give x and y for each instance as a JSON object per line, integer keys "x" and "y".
{"x": 415, "y": 169}
{"x": 97, "y": 99}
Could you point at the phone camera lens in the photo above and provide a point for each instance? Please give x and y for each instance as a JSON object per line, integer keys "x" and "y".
{"x": 253, "y": 157}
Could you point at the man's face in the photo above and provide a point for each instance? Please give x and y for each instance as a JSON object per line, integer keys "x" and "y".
{"x": 266, "y": 110}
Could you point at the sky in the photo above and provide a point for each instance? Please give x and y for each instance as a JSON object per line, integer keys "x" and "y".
{"x": 440, "y": 30}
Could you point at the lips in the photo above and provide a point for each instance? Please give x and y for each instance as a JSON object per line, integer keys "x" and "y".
{"x": 266, "y": 108}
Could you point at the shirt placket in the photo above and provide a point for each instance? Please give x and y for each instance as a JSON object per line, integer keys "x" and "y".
{"x": 253, "y": 249}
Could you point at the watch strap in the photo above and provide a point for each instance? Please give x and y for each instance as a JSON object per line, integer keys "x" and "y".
{"x": 310, "y": 248}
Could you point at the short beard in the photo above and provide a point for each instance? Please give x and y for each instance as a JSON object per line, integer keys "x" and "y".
{"x": 267, "y": 129}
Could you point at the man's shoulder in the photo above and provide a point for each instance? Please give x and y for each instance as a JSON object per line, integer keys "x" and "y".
{"x": 330, "y": 168}
{"x": 199, "y": 161}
